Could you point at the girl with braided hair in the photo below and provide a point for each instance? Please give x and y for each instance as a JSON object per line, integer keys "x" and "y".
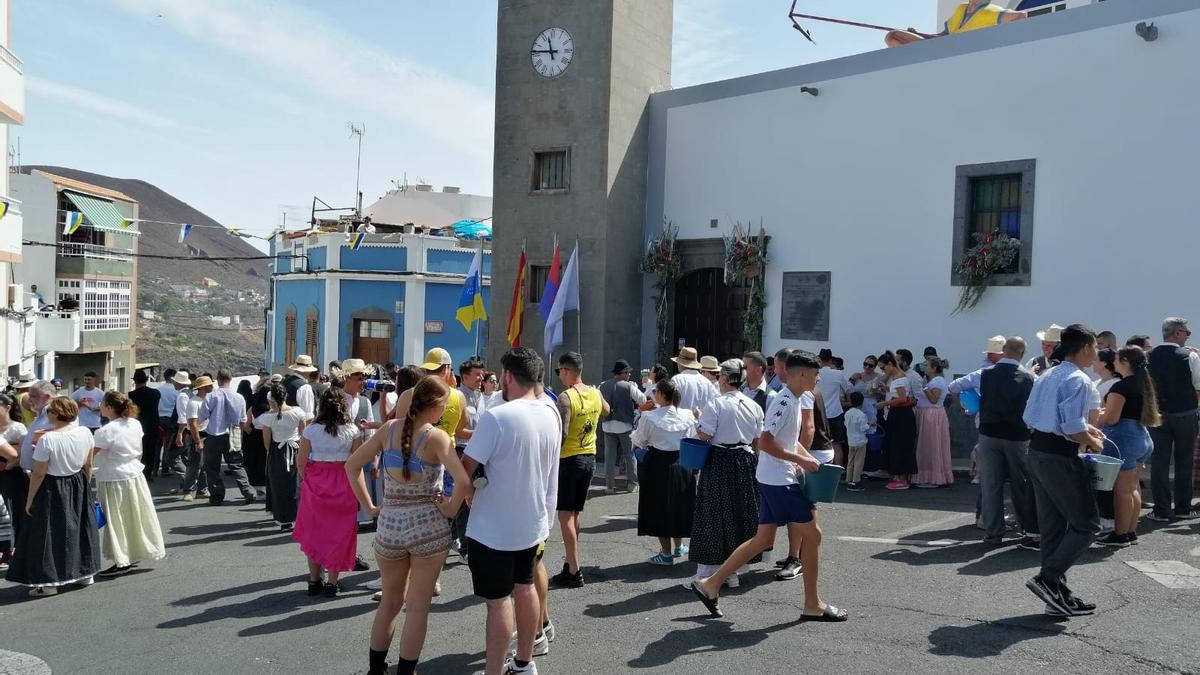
{"x": 412, "y": 536}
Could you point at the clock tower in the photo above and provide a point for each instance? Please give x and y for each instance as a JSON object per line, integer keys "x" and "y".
{"x": 573, "y": 81}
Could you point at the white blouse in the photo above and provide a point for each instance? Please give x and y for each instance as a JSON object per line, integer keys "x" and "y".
{"x": 65, "y": 450}
{"x": 284, "y": 428}
{"x": 120, "y": 450}
{"x": 663, "y": 428}
{"x": 938, "y": 383}
{"x": 330, "y": 448}
{"x": 732, "y": 419}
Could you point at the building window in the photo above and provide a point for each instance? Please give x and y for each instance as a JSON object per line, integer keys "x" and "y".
{"x": 551, "y": 170}
{"x": 995, "y": 197}
{"x": 103, "y": 305}
{"x": 374, "y": 329}
{"x": 312, "y": 328}
{"x": 289, "y": 336}
{"x": 538, "y": 274}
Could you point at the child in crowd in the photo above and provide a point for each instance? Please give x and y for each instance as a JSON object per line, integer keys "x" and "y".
{"x": 782, "y": 501}
{"x": 857, "y": 428}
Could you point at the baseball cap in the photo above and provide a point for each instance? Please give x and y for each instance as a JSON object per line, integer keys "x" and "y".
{"x": 436, "y": 359}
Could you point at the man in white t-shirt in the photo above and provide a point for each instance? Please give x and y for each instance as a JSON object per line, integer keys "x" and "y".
{"x": 88, "y": 397}
{"x": 834, "y": 386}
{"x": 782, "y": 501}
{"x": 517, "y": 444}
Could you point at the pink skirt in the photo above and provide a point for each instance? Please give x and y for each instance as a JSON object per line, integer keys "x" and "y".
{"x": 933, "y": 448}
{"x": 327, "y": 518}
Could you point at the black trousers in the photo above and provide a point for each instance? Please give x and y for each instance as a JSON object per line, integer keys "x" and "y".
{"x": 14, "y": 487}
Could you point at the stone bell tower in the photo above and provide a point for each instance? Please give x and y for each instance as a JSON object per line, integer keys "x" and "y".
{"x": 573, "y": 81}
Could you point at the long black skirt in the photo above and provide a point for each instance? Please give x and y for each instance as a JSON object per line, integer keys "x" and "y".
{"x": 726, "y": 513}
{"x": 59, "y": 543}
{"x": 254, "y": 458}
{"x": 281, "y": 482}
{"x": 667, "y": 496}
{"x": 900, "y": 442}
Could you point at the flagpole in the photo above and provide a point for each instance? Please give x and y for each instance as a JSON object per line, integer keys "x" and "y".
{"x": 578, "y": 311}
{"x": 476, "y": 321}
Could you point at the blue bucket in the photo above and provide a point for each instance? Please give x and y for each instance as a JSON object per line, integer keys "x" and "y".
{"x": 822, "y": 485}
{"x": 640, "y": 454}
{"x": 693, "y": 453}
{"x": 875, "y": 443}
{"x": 969, "y": 400}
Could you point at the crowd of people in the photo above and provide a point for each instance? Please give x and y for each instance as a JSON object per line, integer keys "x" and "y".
{"x": 483, "y": 464}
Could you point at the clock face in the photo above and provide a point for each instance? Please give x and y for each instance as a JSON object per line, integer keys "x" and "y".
{"x": 551, "y": 52}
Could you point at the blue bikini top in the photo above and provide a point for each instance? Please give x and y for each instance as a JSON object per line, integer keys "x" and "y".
{"x": 394, "y": 459}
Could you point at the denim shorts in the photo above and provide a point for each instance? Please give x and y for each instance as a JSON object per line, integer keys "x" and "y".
{"x": 783, "y": 504}
{"x": 1132, "y": 443}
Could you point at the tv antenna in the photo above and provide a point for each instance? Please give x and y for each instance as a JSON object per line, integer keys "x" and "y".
{"x": 358, "y": 130}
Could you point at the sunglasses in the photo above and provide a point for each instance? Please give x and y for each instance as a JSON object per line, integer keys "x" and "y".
{"x": 868, "y": 364}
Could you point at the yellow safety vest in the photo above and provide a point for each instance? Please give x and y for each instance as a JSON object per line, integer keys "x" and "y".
{"x": 585, "y": 417}
{"x": 985, "y": 17}
{"x": 453, "y": 413}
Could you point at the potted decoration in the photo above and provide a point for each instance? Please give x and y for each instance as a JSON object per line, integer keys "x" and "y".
{"x": 745, "y": 258}
{"x": 993, "y": 253}
{"x": 662, "y": 260}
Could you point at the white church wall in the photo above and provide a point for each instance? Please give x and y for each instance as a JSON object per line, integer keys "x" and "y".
{"x": 859, "y": 181}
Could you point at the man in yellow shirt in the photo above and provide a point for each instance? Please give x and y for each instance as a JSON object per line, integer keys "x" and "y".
{"x": 968, "y": 16}
{"x": 581, "y": 407}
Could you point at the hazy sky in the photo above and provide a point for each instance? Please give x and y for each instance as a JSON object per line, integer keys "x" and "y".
{"x": 241, "y": 107}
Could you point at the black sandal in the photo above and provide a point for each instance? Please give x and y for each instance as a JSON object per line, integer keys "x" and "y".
{"x": 829, "y": 614}
{"x": 316, "y": 587}
{"x": 709, "y": 603}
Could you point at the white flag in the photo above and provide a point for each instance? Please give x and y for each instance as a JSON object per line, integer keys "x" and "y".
{"x": 566, "y": 300}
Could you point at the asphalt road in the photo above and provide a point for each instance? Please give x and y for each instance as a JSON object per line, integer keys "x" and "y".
{"x": 924, "y": 595}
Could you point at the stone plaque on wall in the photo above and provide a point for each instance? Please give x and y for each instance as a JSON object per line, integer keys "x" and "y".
{"x": 804, "y": 306}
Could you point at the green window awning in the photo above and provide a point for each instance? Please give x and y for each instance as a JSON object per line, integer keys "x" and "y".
{"x": 100, "y": 213}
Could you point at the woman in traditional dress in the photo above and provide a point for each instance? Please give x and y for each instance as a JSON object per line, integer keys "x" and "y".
{"x": 727, "y": 493}
{"x": 132, "y": 532}
{"x": 668, "y": 491}
{"x": 327, "y": 519}
{"x": 934, "y": 467}
{"x": 280, "y": 427}
{"x": 900, "y": 442}
{"x": 58, "y": 544}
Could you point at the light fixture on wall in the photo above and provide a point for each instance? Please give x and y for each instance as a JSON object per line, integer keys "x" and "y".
{"x": 810, "y": 90}
{"x": 1146, "y": 31}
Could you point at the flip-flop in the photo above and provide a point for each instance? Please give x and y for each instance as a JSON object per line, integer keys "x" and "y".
{"x": 829, "y": 614}
{"x": 709, "y": 603}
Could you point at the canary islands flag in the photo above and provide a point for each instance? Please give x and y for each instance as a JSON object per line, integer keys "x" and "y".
{"x": 356, "y": 240}
{"x": 470, "y": 301}
{"x": 71, "y": 221}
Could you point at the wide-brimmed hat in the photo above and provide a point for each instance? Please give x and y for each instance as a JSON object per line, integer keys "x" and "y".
{"x": 436, "y": 359}
{"x": 1051, "y": 334}
{"x": 352, "y": 366}
{"x": 182, "y": 377}
{"x": 995, "y": 345}
{"x": 26, "y": 381}
{"x": 276, "y": 378}
{"x": 201, "y": 382}
{"x": 621, "y": 367}
{"x": 710, "y": 364}
{"x": 687, "y": 358}
{"x": 303, "y": 364}
{"x": 825, "y": 354}
{"x": 263, "y": 372}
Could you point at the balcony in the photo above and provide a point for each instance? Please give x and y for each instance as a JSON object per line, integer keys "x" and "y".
{"x": 81, "y": 258}
{"x": 12, "y": 88}
{"x": 58, "y": 332}
{"x": 71, "y": 249}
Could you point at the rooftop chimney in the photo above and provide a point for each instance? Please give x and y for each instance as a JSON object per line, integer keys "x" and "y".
{"x": 451, "y": 190}
{"x": 422, "y": 187}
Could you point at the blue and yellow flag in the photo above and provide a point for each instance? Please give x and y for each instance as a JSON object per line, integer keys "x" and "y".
{"x": 3, "y": 208}
{"x": 470, "y": 301}
{"x": 71, "y": 221}
{"x": 356, "y": 240}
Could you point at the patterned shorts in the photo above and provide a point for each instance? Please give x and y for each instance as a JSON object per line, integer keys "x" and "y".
{"x": 418, "y": 530}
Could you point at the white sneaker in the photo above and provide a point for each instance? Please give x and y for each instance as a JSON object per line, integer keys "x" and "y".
{"x": 687, "y": 583}
{"x": 548, "y": 629}
{"x": 87, "y": 581}
{"x": 511, "y": 668}
{"x": 374, "y": 584}
{"x": 541, "y": 644}
{"x": 437, "y": 588}
{"x": 1106, "y": 525}
{"x": 732, "y": 581}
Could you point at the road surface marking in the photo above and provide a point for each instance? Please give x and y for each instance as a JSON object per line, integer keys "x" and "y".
{"x": 1169, "y": 573}
{"x": 964, "y": 518}
{"x": 905, "y": 542}
{"x": 16, "y": 663}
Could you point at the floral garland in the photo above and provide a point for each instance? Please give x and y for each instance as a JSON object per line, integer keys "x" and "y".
{"x": 662, "y": 260}
{"x": 994, "y": 252}
{"x": 746, "y": 258}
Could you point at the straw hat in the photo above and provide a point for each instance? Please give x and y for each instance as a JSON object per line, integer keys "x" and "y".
{"x": 995, "y": 345}
{"x": 710, "y": 364}
{"x": 687, "y": 359}
{"x": 303, "y": 364}
{"x": 436, "y": 359}
{"x": 202, "y": 382}
{"x": 25, "y": 382}
{"x": 276, "y": 378}
{"x": 182, "y": 377}
{"x": 1051, "y": 334}
{"x": 352, "y": 366}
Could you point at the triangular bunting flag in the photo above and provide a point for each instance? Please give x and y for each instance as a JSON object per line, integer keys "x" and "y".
{"x": 183, "y": 232}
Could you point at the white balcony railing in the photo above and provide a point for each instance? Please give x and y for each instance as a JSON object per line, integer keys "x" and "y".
{"x": 11, "y": 59}
{"x": 58, "y": 331}
{"x": 71, "y": 249}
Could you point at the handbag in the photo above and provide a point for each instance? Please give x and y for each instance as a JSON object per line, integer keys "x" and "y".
{"x": 101, "y": 521}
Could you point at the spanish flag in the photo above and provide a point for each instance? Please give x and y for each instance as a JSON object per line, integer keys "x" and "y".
{"x": 516, "y": 315}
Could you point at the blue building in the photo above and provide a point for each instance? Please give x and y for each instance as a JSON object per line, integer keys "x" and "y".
{"x": 391, "y": 299}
